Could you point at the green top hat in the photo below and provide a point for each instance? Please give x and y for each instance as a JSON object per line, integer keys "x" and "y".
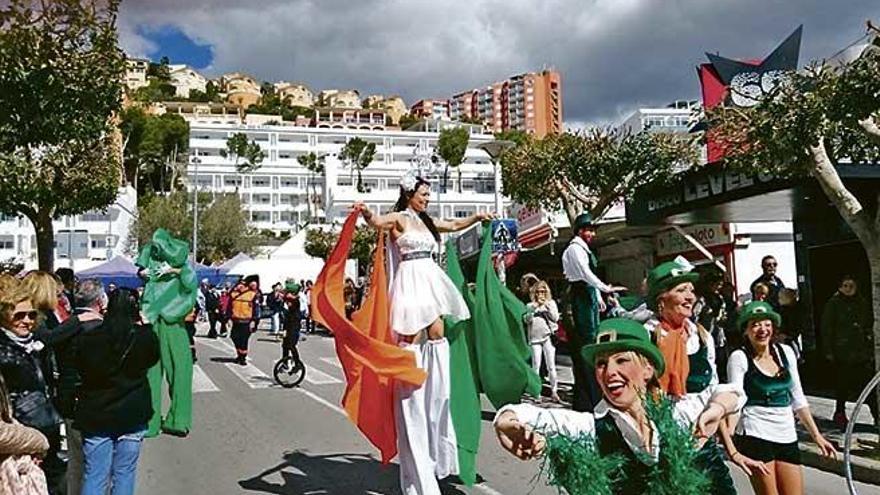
{"x": 667, "y": 275}
{"x": 621, "y": 335}
{"x": 291, "y": 286}
{"x": 583, "y": 220}
{"x": 758, "y": 310}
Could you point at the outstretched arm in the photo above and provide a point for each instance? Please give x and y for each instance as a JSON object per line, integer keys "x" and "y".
{"x": 378, "y": 222}
{"x": 462, "y": 223}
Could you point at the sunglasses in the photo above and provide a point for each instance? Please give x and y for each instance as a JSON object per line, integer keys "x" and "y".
{"x": 20, "y": 315}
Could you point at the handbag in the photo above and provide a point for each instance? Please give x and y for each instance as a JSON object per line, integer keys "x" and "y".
{"x": 33, "y": 408}
{"x": 20, "y": 475}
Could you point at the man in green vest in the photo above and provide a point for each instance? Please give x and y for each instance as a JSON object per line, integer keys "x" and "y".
{"x": 579, "y": 265}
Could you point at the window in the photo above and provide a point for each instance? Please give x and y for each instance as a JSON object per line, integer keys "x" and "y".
{"x": 7, "y": 218}
{"x": 95, "y": 216}
{"x": 232, "y": 180}
{"x": 289, "y": 182}
{"x": 260, "y": 181}
{"x": 463, "y": 213}
{"x": 261, "y": 216}
{"x": 344, "y": 181}
{"x": 262, "y": 199}
{"x": 7, "y": 242}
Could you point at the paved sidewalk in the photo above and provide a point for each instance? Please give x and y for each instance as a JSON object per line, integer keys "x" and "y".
{"x": 864, "y": 443}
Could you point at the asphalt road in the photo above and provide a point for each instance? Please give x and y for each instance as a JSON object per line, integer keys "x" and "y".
{"x": 253, "y": 437}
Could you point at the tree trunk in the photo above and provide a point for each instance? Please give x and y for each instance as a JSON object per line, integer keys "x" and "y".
{"x": 874, "y": 263}
{"x": 45, "y": 234}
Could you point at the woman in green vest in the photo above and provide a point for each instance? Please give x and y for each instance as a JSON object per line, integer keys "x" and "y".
{"x": 626, "y": 365}
{"x": 765, "y": 445}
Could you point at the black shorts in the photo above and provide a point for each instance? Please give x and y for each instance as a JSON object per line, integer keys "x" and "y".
{"x": 765, "y": 451}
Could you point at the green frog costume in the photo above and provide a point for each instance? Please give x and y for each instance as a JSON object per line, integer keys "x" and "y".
{"x": 169, "y": 295}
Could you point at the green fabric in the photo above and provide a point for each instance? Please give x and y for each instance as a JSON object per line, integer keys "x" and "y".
{"x": 768, "y": 391}
{"x": 176, "y": 364}
{"x": 169, "y": 296}
{"x": 758, "y": 310}
{"x": 465, "y": 389}
{"x": 582, "y": 332}
{"x": 623, "y": 334}
{"x": 630, "y": 303}
{"x": 700, "y": 375}
{"x": 504, "y": 356}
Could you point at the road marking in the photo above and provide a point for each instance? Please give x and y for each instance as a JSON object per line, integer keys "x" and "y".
{"x": 217, "y": 345}
{"x": 486, "y": 489}
{"x": 332, "y": 361}
{"x": 320, "y": 400}
{"x": 251, "y": 375}
{"x": 318, "y": 377}
{"x": 201, "y": 382}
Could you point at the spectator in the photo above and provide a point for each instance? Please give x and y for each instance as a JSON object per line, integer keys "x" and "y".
{"x": 542, "y": 322}
{"x": 525, "y": 287}
{"x": 710, "y": 311}
{"x": 19, "y": 473}
{"x": 768, "y": 278}
{"x": 44, "y": 289}
{"x": 24, "y": 364}
{"x": 68, "y": 280}
{"x": 306, "y": 306}
{"x": 212, "y": 308}
{"x": 792, "y": 320}
{"x": 189, "y": 323}
{"x": 761, "y": 292}
{"x": 114, "y": 398}
{"x": 847, "y": 323}
{"x": 631, "y": 307}
{"x": 224, "y": 310}
{"x": 275, "y": 304}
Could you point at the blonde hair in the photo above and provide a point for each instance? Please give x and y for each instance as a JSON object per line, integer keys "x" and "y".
{"x": 43, "y": 287}
{"x": 653, "y": 383}
{"x": 12, "y": 292}
{"x": 762, "y": 289}
{"x": 540, "y": 284}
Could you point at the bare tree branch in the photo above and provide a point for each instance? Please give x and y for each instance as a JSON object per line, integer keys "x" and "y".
{"x": 571, "y": 189}
{"x": 847, "y": 204}
{"x": 870, "y": 126}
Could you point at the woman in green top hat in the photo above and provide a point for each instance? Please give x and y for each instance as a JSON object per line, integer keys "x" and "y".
{"x": 766, "y": 444}
{"x": 626, "y": 365}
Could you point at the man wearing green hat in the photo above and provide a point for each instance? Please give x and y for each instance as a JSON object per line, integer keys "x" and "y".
{"x": 579, "y": 265}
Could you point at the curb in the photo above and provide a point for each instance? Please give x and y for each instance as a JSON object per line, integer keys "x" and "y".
{"x": 864, "y": 470}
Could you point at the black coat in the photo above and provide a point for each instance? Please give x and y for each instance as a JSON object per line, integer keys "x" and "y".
{"x": 60, "y": 341}
{"x": 114, "y": 395}
{"x": 24, "y": 372}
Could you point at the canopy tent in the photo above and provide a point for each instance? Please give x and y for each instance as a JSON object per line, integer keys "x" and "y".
{"x": 214, "y": 274}
{"x": 231, "y": 262}
{"x": 278, "y": 270}
{"x": 119, "y": 271}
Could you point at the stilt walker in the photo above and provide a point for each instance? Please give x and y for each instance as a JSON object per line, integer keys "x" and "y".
{"x": 169, "y": 295}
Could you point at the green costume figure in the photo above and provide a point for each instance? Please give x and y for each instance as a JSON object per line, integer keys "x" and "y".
{"x": 579, "y": 266}
{"x": 169, "y": 295}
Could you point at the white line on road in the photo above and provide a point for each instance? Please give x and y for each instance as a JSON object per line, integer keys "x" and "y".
{"x": 486, "y": 489}
{"x": 318, "y": 377}
{"x": 320, "y": 400}
{"x": 217, "y": 345}
{"x": 201, "y": 382}
{"x": 332, "y": 361}
{"x": 251, "y": 375}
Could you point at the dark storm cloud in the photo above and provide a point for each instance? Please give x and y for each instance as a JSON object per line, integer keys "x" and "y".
{"x": 614, "y": 55}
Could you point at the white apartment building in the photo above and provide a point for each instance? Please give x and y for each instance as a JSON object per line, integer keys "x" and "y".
{"x": 276, "y": 195}
{"x": 136, "y": 73}
{"x": 676, "y": 117}
{"x": 80, "y": 240}
{"x": 185, "y": 79}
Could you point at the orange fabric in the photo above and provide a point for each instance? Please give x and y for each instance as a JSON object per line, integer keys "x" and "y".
{"x": 673, "y": 346}
{"x": 366, "y": 349}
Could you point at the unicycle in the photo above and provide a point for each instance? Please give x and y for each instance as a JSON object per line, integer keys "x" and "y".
{"x": 290, "y": 371}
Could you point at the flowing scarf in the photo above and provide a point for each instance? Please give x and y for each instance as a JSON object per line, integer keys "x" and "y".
{"x": 673, "y": 346}
{"x": 369, "y": 357}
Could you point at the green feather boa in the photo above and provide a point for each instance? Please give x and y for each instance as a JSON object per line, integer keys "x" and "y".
{"x": 575, "y": 464}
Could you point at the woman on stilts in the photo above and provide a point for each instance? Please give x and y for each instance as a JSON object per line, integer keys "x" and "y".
{"x": 421, "y": 295}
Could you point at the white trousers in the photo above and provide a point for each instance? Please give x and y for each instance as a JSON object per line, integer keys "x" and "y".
{"x": 546, "y": 349}
{"x": 427, "y": 448}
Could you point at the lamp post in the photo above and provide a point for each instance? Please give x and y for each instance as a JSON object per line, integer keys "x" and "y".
{"x": 495, "y": 149}
{"x": 195, "y": 161}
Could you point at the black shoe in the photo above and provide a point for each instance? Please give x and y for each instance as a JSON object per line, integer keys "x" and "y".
{"x": 242, "y": 360}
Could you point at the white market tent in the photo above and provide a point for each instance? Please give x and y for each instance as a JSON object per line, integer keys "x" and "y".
{"x": 231, "y": 262}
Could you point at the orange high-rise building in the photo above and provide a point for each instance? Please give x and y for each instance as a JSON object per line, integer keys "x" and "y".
{"x": 530, "y": 102}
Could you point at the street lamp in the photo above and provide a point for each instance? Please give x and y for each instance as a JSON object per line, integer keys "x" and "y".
{"x": 495, "y": 149}
{"x": 195, "y": 161}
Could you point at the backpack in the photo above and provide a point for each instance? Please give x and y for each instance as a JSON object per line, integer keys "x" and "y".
{"x": 243, "y": 306}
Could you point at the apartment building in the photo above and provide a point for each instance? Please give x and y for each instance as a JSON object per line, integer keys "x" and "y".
{"x": 136, "y": 73}
{"x": 241, "y": 89}
{"x": 185, "y": 79}
{"x": 296, "y": 94}
{"x": 80, "y": 240}
{"x": 676, "y": 117}
{"x": 282, "y": 195}
{"x": 336, "y": 98}
{"x": 431, "y": 109}
{"x": 529, "y": 102}
{"x": 394, "y": 106}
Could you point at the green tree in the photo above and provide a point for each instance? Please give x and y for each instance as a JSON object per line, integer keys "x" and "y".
{"x": 224, "y": 229}
{"x": 155, "y": 90}
{"x": 358, "y": 154}
{"x": 814, "y": 121}
{"x": 320, "y": 242}
{"x": 451, "y": 146}
{"x": 248, "y": 156}
{"x": 61, "y": 73}
{"x": 590, "y": 170}
{"x": 154, "y": 149}
{"x": 407, "y": 121}
{"x": 160, "y": 71}
{"x": 210, "y": 95}
{"x": 513, "y": 135}
{"x": 315, "y": 165}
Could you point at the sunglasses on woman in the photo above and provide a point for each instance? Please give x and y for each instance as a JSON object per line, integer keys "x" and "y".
{"x": 20, "y": 315}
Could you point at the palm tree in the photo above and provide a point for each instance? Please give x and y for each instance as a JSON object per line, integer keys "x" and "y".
{"x": 315, "y": 165}
{"x": 358, "y": 154}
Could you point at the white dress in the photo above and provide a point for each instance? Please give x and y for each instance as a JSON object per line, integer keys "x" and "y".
{"x": 421, "y": 292}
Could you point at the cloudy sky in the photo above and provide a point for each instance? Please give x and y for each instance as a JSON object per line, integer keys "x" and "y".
{"x": 614, "y": 55}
